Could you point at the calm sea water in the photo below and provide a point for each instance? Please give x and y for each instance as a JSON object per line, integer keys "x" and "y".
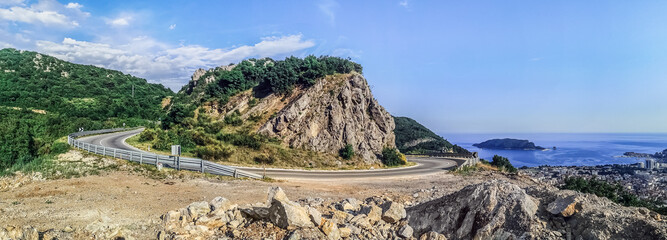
{"x": 572, "y": 149}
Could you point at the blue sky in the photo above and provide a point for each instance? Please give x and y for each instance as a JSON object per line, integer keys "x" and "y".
{"x": 455, "y": 66}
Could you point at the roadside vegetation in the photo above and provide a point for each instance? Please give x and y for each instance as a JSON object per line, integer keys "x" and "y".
{"x": 498, "y": 163}
{"x": 613, "y": 192}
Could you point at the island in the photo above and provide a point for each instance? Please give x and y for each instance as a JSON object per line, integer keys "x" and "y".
{"x": 508, "y": 144}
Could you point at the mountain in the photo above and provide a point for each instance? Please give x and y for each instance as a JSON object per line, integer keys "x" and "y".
{"x": 414, "y": 138}
{"x": 508, "y": 144}
{"x": 42, "y": 99}
{"x": 33, "y": 80}
{"x": 291, "y": 112}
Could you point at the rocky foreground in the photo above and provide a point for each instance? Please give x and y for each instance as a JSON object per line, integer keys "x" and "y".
{"x": 494, "y": 209}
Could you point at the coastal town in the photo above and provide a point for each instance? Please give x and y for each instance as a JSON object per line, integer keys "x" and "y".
{"x": 647, "y": 179}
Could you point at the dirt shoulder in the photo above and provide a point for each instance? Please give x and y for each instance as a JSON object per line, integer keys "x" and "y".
{"x": 131, "y": 198}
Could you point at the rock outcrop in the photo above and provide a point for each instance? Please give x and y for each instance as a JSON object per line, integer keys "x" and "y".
{"x": 335, "y": 111}
{"x": 502, "y": 210}
{"x": 488, "y": 210}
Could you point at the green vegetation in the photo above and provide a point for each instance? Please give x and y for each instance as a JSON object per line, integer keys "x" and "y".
{"x": 42, "y": 99}
{"x": 232, "y": 138}
{"x": 392, "y": 157}
{"x": 503, "y": 164}
{"x": 614, "y": 192}
{"x": 262, "y": 75}
{"x": 32, "y": 80}
{"x": 346, "y": 152}
{"x": 408, "y": 132}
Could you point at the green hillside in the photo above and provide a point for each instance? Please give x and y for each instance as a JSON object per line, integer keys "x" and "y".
{"x": 414, "y": 138}
{"x": 32, "y": 80}
{"x": 42, "y": 99}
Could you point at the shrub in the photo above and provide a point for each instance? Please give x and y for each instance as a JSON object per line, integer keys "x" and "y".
{"x": 234, "y": 119}
{"x": 503, "y": 163}
{"x": 265, "y": 159}
{"x": 242, "y": 139}
{"x": 392, "y": 157}
{"x": 346, "y": 152}
{"x": 213, "y": 152}
{"x": 147, "y": 135}
{"x": 163, "y": 141}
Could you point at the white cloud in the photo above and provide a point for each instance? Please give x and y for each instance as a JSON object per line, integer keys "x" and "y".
{"x": 5, "y": 45}
{"x": 74, "y": 5}
{"x": 33, "y": 16}
{"x": 171, "y": 66}
{"x": 403, "y": 3}
{"x": 328, "y": 7}
{"x": 119, "y": 22}
{"x": 11, "y": 2}
{"x": 172, "y": 27}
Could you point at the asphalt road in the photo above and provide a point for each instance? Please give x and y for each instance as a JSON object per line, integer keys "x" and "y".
{"x": 425, "y": 165}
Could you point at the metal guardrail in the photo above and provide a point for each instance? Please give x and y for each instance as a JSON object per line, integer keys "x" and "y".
{"x": 180, "y": 163}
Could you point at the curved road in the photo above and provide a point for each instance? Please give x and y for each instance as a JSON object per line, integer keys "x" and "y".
{"x": 425, "y": 165}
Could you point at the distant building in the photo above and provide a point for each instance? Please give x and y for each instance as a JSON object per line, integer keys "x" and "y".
{"x": 641, "y": 164}
{"x": 650, "y": 164}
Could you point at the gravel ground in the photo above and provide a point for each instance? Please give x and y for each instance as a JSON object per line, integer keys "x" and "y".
{"x": 135, "y": 200}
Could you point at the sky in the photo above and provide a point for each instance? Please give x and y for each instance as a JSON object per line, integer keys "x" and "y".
{"x": 455, "y": 66}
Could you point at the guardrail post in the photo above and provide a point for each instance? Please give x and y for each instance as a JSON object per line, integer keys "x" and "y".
{"x": 236, "y": 175}
{"x": 141, "y": 158}
{"x": 178, "y": 162}
{"x": 131, "y": 156}
{"x": 104, "y": 151}
{"x": 95, "y": 149}
{"x": 202, "y": 166}
{"x": 157, "y": 160}
{"x": 114, "y": 153}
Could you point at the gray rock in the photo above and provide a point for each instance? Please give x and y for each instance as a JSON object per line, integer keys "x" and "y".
{"x": 564, "y": 206}
{"x": 393, "y": 212}
{"x": 220, "y": 205}
{"x": 478, "y": 211}
{"x": 432, "y": 236}
{"x": 315, "y": 216}
{"x": 373, "y": 213}
{"x": 405, "y": 231}
{"x": 287, "y": 214}
{"x": 197, "y": 209}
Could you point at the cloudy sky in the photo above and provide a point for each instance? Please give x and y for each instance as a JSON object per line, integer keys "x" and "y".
{"x": 456, "y": 66}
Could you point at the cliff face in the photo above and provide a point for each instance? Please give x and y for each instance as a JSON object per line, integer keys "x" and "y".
{"x": 336, "y": 111}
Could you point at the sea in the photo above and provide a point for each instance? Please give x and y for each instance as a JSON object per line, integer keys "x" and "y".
{"x": 572, "y": 149}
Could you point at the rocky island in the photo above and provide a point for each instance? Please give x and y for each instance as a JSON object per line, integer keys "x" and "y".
{"x": 508, "y": 144}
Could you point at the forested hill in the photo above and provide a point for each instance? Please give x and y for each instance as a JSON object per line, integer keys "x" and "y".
{"x": 414, "y": 138}
{"x": 42, "y": 99}
{"x": 33, "y": 80}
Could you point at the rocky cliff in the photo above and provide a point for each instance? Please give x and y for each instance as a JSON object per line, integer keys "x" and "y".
{"x": 336, "y": 111}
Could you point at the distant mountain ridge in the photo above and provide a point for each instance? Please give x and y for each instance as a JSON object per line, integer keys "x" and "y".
{"x": 414, "y": 138}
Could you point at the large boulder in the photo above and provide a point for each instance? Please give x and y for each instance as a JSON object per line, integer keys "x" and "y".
{"x": 481, "y": 211}
{"x": 393, "y": 212}
{"x": 564, "y": 206}
{"x": 197, "y": 209}
{"x": 287, "y": 214}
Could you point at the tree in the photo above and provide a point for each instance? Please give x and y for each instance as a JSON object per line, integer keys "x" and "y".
{"x": 346, "y": 152}
{"x": 503, "y": 163}
{"x": 392, "y": 157}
